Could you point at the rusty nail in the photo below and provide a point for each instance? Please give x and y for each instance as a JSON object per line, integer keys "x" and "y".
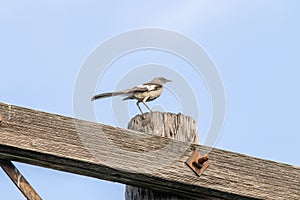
{"x": 199, "y": 163}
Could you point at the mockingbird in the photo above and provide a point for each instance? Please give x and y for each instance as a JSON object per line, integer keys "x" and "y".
{"x": 142, "y": 93}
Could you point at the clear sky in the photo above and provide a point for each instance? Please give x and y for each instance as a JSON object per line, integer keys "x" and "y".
{"x": 255, "y": 46}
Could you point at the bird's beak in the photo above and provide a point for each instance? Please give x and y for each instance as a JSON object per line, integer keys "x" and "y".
{"x": 168, "y": 80}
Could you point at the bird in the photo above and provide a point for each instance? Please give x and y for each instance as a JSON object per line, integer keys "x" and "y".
{"x": 142, "y": 93}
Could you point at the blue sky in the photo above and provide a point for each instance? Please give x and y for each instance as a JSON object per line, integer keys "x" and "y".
{"x": 254, "y": 44}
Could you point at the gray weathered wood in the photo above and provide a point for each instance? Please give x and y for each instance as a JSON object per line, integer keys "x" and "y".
{"x": 130, "y": 157}
{"x": 175, "y": 126}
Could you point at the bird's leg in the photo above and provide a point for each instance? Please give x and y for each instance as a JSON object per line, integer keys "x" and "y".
{"x": 144, "y": 102}
{"x": 137, "y": 103}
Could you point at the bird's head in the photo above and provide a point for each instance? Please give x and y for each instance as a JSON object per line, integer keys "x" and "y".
{"x": 160, "y": 80}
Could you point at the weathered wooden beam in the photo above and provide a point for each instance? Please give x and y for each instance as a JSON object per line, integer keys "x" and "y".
{"x": 124, "y": 156}
{"x": 18, "y": 179}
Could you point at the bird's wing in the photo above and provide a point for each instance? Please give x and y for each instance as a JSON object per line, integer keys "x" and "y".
{"x": 147, "y": 87}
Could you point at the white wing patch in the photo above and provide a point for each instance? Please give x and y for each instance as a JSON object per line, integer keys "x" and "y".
{"x": 148, "y": 87}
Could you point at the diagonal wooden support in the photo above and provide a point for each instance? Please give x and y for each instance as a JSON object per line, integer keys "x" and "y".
{"x": 19, "y": 180}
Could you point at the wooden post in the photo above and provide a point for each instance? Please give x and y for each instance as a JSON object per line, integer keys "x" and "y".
{"x": 175, "y": 126}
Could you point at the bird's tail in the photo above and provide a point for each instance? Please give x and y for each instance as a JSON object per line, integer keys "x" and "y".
{"x": 108, "y": 94}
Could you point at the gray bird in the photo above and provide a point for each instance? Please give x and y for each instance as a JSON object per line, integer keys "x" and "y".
{"x": 142, "y": 93}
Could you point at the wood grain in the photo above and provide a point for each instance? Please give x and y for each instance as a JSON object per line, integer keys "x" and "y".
{"x": 130, "y": 157}
{"x": 169, "y": 125}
